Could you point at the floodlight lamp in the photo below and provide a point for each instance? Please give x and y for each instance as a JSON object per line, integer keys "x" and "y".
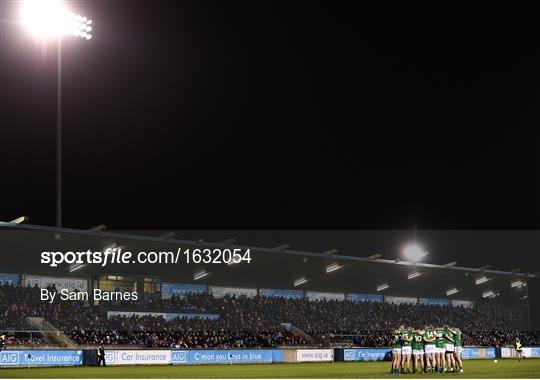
{"x": 20, "y": 220}
{"x": 481, "y": 280}
{"x": 48, "y": 19}
{"x": 414, "y": 252}
{"x": 516, "y": 284}
{"x": 199, "y": 275}
{"x": 488, "y": 294}
{"x": 332, "y": 268}
{"x": 76, "y": 267}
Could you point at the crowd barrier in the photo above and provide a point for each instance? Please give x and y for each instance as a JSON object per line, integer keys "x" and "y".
{"x": 57, "y": 357}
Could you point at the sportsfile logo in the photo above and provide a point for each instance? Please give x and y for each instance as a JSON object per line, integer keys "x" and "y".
{"x": 117, "y": 255}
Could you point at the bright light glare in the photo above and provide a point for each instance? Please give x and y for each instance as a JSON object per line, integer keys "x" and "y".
{"x": 481, "y": 280}
{"x": 332, "y": 267}
{"x": 200, "y": 275}
{"x": 488, "y": 294}
{"x": 48, "y": 19}
{"x": 515, "y": 284}
{"x": 76, "y": 267}
{"x": 414, "y": 252}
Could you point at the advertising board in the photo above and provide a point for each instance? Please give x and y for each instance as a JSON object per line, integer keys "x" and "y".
{"x": 136, "y": 357}
{"x": 363, "y": 297}
{"x": 320, "y": 296}
{"x": 435, "y": 301}
{"x": 69, "y": 283}
{"x": 478, "y": 353}
{"x": 226, "y": 356}
{"x": 366, "y": 354}
{"x": 169, "y": 289}
{"x": 315, "y": 355}
{"x": 400, "y": 300}
{"x": 296, "y": 294}
{"x": 222, "y": 291}
{"x": 12, "y": 279}
{"x": 40, "y": 358}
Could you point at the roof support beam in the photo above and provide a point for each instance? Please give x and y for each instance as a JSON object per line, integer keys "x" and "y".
{"x": 166, "y": 235}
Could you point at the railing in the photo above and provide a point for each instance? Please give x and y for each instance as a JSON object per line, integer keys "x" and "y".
{"x": 51, "y": 333}
{"x": 295, "y": 330}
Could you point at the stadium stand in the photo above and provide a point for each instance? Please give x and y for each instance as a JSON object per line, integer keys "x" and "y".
{"x": 243, "y": 322}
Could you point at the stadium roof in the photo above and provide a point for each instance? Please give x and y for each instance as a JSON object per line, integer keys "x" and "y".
{"x": 21, "y": 246}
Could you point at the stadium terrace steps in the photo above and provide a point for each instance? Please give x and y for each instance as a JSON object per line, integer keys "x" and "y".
{"x": 52, "y": 334}
{"x": 297, "y": 331}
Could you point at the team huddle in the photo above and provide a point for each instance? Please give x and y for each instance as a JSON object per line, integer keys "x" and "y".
{"x": 429, "y": 350}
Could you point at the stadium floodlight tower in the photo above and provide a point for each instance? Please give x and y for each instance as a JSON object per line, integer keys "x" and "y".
{"x": 52, "y": 20}
{"x": 414, "y": 252}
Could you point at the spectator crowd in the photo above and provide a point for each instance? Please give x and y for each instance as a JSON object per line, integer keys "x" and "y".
{"x": 242, "y": 322}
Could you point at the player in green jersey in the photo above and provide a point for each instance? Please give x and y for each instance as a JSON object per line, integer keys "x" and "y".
{"x": 406, "y": 350}
{"x": 457, "y": 347}
{"x": 418, "y": 350}
{"x": 429, "y": 347}
{"x": 439, "y": 349}
{"x": 396, "y": 350}
{"x": 449, "y": 347}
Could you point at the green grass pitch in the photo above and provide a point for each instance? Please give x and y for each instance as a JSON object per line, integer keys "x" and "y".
{"x": 505, "y": 368}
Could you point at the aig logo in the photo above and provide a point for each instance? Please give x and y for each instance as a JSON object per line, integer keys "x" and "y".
{"x": 179, "y": 357}
{"x": 9, "y": 358}
{"x": 110, "y": 357}
{"x": 348, "y": 355}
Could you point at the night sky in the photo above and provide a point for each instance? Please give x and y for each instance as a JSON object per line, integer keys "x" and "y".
{"x": 262, "y": 114}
